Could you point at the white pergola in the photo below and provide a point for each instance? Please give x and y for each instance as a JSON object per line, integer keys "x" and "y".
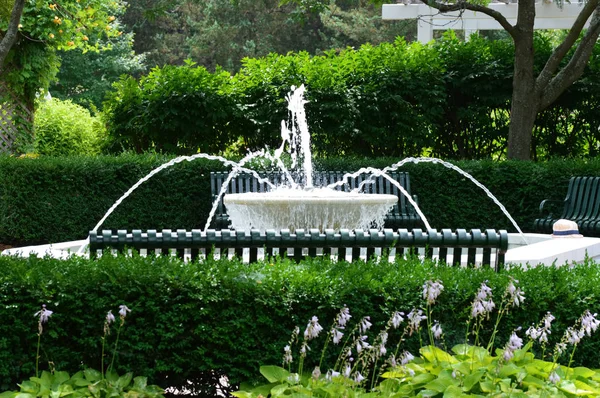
{"x": 548, "y": 16}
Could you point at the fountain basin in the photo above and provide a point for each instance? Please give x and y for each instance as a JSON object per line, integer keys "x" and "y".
{"x": 315, "y": 208}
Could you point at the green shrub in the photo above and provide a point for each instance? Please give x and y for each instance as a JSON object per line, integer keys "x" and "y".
{"x": 199, "y": 321}
{"x": 448, "y": 99}
{"x": 64, "y": 128}
{"x": 55, "y": 199}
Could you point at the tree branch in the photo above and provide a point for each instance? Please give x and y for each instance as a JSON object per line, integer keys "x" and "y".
{"x": 11, "y": 33}
{"x": 574, "y": 69}
{"x": 461, "y": 5}
{"x": 561, "y": 51}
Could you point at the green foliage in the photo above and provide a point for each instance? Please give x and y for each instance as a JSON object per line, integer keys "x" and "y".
{"x": 173, "y": 109}
{"x": 85, "y": 77}
{"x": 467, "y": 371}
{"x": 64, "y": 128}
{"x": 55, "y": 199}
{"x": 62, "y": 198}
{"x": 87, "y": 383}
{"x": 448, "y": 99}
{"x": 199, "y": 321}
{"x": 221, "y": 33}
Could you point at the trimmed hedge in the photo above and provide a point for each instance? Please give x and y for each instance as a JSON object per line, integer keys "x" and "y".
{"x": 59, "y": 199}
{"x": 199, "y": 321}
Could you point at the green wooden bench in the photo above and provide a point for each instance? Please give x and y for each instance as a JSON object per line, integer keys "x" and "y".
{"x": 582, "y": 205}
{"x": 402, "y": 215}
{"x": 460, "y": 247}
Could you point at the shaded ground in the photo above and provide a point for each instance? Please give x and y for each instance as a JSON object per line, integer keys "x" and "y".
{"x": 3, "y": 246}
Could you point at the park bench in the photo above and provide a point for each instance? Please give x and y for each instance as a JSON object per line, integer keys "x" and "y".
{"x": 402, "y": 215}
{"x": 460, "y": 247}
{"x": 582, "y": 205}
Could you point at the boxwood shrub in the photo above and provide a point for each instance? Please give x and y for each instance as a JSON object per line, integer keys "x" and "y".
{"x": 198, "y": 321}
{"x": 55, "y": 199}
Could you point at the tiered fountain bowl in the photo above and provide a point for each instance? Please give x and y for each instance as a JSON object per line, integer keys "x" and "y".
{"x": 319, "y": 208}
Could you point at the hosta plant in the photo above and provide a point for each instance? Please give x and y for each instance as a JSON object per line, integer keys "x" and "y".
{"x": 88, "y": 383}
{"x": 473, "y": 369}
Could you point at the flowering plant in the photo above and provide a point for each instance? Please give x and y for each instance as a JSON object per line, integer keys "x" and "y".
{"x": 87, "y": 383}
{"x": 470, "y": 369}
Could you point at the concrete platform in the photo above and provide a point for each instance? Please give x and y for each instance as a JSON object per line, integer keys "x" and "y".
{"x": 60, "y": 250}
{"x": 553, "y": 251}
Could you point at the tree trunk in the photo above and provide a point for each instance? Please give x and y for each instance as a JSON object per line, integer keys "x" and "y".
{"x": 10, "y": 36}
{"x": 525, "y": 99}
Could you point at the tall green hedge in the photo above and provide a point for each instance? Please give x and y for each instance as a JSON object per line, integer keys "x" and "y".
{"x": 449, "y": 99}
{"x": 196, "y": 322}
{"x": 54, "y": 199}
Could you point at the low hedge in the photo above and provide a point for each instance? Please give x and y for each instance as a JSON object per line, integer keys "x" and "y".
{"x": 196, "y": 322}
{"x": 54, "y": 199}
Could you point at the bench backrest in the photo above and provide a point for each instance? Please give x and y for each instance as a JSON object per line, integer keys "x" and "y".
{"x": 460, "y": 247}
{"x": 245, "y": 182}
{"x": 583, "y": 198}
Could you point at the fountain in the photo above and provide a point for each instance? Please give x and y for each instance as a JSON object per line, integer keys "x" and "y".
{"x": 297, "y": 203}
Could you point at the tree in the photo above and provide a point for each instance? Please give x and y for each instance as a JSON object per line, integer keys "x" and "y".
{"x": 533, "y": 91}
{"x": 84, "y": 78}
{"x": 217, "y": 32}
{"x": 60, "y": 24}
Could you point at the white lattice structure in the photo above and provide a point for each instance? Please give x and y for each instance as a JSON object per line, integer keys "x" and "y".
{"x": 548, "y": 16}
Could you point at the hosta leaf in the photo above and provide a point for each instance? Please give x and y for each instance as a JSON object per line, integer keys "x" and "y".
{"x": 472, "y": 379}
{"x": 422, "y": 378}
{"x": 60, "y": 377}
{"x": 441, "y": 383}
{"x": 427, "y": 393}
{"x": 279, "y": 389}
{"x": 242, "y": 394}
{"x": 509, "y": 369}
{"x": 475, "y": 352}
{"x": 124, "y": 380}
{"x": 453, "y": 392}
{"x": 583, "y": 372}
{"x": 274, "y": 374}
{"x": 434, "y": 355}
{"x": 530, "y": 381}
{"x": 29, "y": 387}
{"x": 487, "y": 386}
{"x": 578, "y": 387}
{"x": 389, "y": 386}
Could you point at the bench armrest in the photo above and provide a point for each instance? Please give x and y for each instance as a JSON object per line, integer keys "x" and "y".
{"x": 548, "y": 203}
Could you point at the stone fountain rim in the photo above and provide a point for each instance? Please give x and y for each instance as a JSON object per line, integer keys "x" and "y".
{"x": 305, "y": 197}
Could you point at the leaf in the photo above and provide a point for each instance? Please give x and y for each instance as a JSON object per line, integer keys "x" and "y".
{"x": 422, "y": 378}
{"x": 140, "y": 382}
{"x": 583, "y": 372}
{"x": 274, "y": 374}
{"x": 434, "y": 355}
{"x": 509, "y": 369}
{"x": 241, "y": 394}
{"x": 453, "y": 392}
{"x": 530, "y": 380}
{"x": 441, "y": 383}
{"x": 487, "y": 386}
{"x": 92, "y": 375}
{"x": 279, "y": 389}
{"x": 577, "y": 387}
{"x": 124, "y": 381}
{"x": 472, "y": 379}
